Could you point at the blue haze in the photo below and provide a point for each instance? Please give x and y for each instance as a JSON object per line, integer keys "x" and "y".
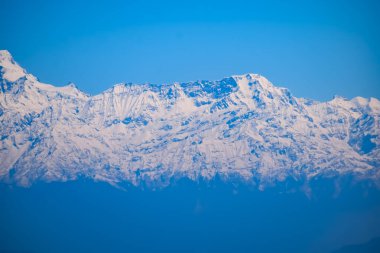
{"x": 315, "y": 48}
{"x": 188, "y": 217}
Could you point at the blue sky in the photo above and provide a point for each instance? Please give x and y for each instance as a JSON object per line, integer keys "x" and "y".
{"x": 314, "y": 48}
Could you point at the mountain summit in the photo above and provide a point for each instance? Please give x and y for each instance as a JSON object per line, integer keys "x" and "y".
{"x": 238, "y": 127}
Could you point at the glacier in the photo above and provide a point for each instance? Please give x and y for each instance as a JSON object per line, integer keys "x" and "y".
{"x": 238, "y": 128}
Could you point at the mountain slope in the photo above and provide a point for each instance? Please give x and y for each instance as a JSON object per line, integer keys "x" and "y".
{"x": 239, "y": 127}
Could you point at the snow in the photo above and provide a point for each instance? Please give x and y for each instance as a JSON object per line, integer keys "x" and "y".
{"x": 10, "y": 70}
{"x": 240, "y": 126}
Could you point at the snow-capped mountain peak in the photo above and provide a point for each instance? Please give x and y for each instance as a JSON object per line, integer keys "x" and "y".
{"x": 9, "y": 69}
{"x": 241, "y": 126}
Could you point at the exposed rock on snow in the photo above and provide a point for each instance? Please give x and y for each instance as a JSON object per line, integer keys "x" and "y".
{"x": 241, "y": 126}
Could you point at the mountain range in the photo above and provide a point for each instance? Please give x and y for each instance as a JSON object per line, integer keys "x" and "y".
{"x": 238, "y": 128}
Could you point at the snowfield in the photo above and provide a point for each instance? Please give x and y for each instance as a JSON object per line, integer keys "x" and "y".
{"x": 239, "y": 127}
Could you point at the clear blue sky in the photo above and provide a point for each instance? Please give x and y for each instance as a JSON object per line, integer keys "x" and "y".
{"x": 314, "y": 48}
